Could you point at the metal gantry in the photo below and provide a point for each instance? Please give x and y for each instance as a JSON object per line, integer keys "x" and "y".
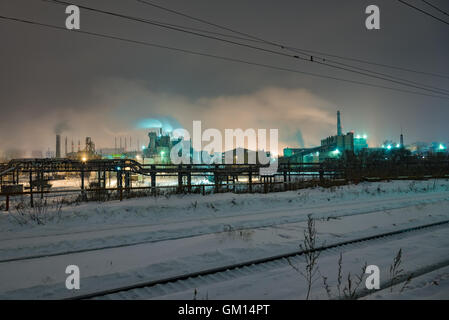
{"x": 36, "y": 173}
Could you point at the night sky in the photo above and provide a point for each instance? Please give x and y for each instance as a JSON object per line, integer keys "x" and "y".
{"x": 60, "y": 81}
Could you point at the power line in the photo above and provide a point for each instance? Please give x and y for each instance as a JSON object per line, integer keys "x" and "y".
{"x": 208, "y": 22}
{"x": 375, "y": 63}
{"x": 435, "y": 7}
{"x": 340, "y": 66}
{"x": 94, "y": 34}
{"x": 257, "y": 39}
{"x": 119, "y": 15}
{"x": 423, "y": 11}
{"x": 386, "y": 75}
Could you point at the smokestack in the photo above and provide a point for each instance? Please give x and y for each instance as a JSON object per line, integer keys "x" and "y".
{"x": 73, "y": 146}
{"x": 402, "y": 140}
{"x": 339, "y": 133}
{"x": 65, "y": 146}
{"x": 58, "y": 146}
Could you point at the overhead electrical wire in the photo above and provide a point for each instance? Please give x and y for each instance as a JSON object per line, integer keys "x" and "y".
{"x": 376, "y": 64}
{"x": 383, "y": 74}
{"x": 282, "y": 46}
{"x": 94, "y": 34}
{"x": 423, "y": 11}
{"x": 340, "y": 66}
{"x": 435, "y": 7}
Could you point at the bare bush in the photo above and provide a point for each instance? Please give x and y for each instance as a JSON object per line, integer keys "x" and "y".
{"x": 396, "y": 270}
{"x": 345, "y": 290}
{"x": 310, "y": 254}
{"x": 407, "y": 282}
{"x": 40, "y": 213}
{"x": 353, "y": 284}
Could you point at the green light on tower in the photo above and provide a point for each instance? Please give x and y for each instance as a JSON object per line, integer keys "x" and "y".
{"x": 336, "y": 152}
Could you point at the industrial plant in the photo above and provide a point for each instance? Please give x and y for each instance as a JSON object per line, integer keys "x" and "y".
{"x": 340, "y": 157}
{"x": 350, "y": 145}
{"x": 157, "y": 150}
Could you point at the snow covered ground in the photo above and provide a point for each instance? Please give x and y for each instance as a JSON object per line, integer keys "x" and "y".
{"x": 120, "y": 243}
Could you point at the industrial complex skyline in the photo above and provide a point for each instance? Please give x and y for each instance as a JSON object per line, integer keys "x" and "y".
{"x": 57, "y": 82}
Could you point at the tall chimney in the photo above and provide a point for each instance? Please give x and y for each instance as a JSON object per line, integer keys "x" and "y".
{"x": 65, "y": 145}
{"x": 58, "y": 146}
{"x": 339, "y": 133}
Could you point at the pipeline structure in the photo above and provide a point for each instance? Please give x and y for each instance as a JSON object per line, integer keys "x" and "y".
{"x": 28, "y": 177}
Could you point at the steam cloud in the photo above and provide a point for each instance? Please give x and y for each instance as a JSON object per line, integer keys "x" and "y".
{"x": 123, "y": 107}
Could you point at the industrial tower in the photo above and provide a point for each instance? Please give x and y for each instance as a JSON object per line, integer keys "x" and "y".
{"x": 339, "y": 133}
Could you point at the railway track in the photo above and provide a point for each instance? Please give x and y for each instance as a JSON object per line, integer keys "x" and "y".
{"x": 149, "y": 289}
{"x": 303, "y": 219}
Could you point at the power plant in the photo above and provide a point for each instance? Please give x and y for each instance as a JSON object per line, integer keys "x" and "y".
{"x": 159, "y": 146}
{"x": 331, "y": 147}
{"x": 341, "y": 145}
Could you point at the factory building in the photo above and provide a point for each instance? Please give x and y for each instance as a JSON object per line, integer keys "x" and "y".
{"x": 360, "y": 143}
{"x": 334, "y": 146}
{"x": 331, "y": 147}
{"x": 85, "y": 154}
{"x": 424, "y": 149}
{"x": 159, "y": 147}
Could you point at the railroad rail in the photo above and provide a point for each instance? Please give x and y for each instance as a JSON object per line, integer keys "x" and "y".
{"x": 248, "y": 264}
{"x": 130, "y": 244}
